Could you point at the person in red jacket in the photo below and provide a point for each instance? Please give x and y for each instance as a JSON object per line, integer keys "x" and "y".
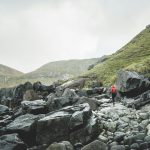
{"x": 113, "y": 93}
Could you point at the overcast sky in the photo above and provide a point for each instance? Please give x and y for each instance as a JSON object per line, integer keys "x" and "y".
{"x": 35, "y": 32}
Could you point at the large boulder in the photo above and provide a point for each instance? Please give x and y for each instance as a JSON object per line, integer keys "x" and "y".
{"x": 138, "y": 101}
{"x": 72, "y": 123}
{"x": 131, "y": 83}
{"x": 68, "y": 97}
{"x": 25, "y": 126}
{"x": 76, "y": 83}
{"x": 12, "y": 142}
{"x": 34, "y": 107}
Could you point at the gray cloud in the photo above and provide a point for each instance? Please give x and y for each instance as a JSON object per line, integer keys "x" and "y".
{"x": 34, "y": 32}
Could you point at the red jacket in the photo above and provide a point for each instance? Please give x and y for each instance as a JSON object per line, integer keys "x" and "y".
{"x": 113, "y": 89}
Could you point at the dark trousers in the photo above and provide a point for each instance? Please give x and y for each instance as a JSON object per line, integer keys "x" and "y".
{"x": 113, "y": 98}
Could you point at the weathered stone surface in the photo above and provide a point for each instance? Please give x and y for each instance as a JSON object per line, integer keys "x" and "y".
{"x": 25, "y": 126}
{"x": 95, "y": 145}
{"x": 34, "y": 107}
{"x": 64, "y": 145}
{"x": 12, "y": 142}
{"x": 131, "y": 83}
{"x": 68, "y": 123}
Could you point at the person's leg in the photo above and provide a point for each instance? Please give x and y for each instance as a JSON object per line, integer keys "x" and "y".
{"x": 113, "y": 98}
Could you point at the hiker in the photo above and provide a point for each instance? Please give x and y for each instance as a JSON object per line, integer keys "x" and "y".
{"x": 113, "y": 93}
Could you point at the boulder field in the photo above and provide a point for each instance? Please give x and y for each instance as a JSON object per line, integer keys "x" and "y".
{"x": 39, "y": 117}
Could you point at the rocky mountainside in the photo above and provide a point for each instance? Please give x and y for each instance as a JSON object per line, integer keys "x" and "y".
{"x": 58, "y": 117}
{"x": 59, "y": 70}
{"x": 134, "y": 56}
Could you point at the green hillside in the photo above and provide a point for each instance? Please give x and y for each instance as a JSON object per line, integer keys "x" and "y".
{"x": 59, "y": 70}
{"x": 133, "y": 56}
{"x": 6, "y": 73}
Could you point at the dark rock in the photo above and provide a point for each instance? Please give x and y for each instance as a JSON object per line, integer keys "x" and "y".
{"x": 119, "y": 136}
{"x": 129, "y": 140}
{"x": 34, "y": 107}
{"x": 144, "y": 146}
{"x": 135, "y": 146}
{"x": 64, "y": 145}
{"x": 73, "y": 123}
{"x": 3, "y": 110}
{"x": 95, "y": 145}
{"x": 87, "y": 133}
{"x": 131, "y": 84}
{"x": 25, "y": 126}
{"x": 5, "y": 120}
{"x": 69, "y": 97}
{"x": 78, "y": 146}
{"x": 12, "y": 142}
{"x": 43, "y": 89}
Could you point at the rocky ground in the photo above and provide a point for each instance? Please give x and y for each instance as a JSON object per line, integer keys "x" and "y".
{"x": 38, "y": 117}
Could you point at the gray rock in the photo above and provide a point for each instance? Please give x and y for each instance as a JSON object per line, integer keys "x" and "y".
{"x": 148, "y": 129}
{"x": 129, "y": 140}
{"x": 119, "y": 136}
{"x": 147, "y": 138}
{"x": 64, "y": 145}
{"x": 25, "y": 126}
{"x": 34, "y": 107}
{"x": 95, "y": 145}
{"x": 144, "y": 146}
{"x": 30, "y": 95}
{"x": 94, "y": 103}
{"x": 140, "y": 136}
{"x": 77, "y": 83}
{"x": 73, "y": 123}
{"x": 4, "y": 110}
{"x": 131, "y": 83}
{"x": 12, "y": 142}
{"x": 135, "y": 146}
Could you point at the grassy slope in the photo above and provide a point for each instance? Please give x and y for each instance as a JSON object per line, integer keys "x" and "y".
{"x": 6, "y": 73}
{"x": 54, "y": 71}
{"x": 9, "y": 72}
{"x": 133, "y": 56}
